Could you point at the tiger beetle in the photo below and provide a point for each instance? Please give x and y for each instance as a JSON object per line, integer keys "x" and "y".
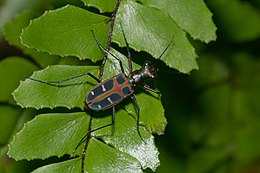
{"x": 108, "y": 93}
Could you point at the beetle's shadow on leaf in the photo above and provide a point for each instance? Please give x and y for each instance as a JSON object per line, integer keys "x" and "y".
{"x": 139, "y": 90}
{"x": 100, "y": 116}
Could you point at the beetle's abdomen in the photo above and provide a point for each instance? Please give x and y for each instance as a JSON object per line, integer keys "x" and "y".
{"x": 109, "y": 92}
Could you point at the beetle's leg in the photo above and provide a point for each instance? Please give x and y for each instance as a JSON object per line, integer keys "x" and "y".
{"x": 138, "y": 115}
{"x": 147, "y": 87}
{"x": 128, "y": 50}
{"x": 57, "y": 83}
{"x": 85, "y": 136}
{"x": 101, "y": 47}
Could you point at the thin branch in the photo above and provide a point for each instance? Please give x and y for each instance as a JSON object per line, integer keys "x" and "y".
{"x": 108, "y": 47}
{"x": 109, "y": 40}
{"x": 86, "y": 144}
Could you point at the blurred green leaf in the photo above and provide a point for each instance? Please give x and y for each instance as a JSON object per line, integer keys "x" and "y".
{"x": 8, "y": 120}
{"x": 238, "y": 20}
{"x": 217, "y": 72}
{"x": 246, "y": 142}
{"x": 9, "y": 9}
{"x": 227, "y": 118}
{"x": 209, "y": 158}
{"x": 13, "y": 30}
{"x": 67, "y": 31}
{"x": 192, "y": 16}
{"x": 103, "y": 6}
{"x": 12, "y": 70}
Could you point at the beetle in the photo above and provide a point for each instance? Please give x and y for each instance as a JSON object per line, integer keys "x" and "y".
{"x": 108, "y": 93}
{"x": 112, "y": 91}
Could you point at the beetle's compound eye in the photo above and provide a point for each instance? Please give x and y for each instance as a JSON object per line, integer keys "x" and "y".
{"x": 150, "y": 69}
{"x": 147, "y": 64}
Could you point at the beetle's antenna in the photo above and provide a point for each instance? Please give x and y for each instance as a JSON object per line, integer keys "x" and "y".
{"x": 166, "y": 48}
{"x": 127, "y": 48}
{"x": 156, "y": 63}
{"x": 102, "y": 48}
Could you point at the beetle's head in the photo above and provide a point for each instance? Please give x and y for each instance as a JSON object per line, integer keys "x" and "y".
{"x": 150, "y": 69}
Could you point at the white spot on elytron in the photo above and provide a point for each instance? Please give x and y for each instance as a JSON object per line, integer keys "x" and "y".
{"x": 92, "y": 92}
{"x": 99, "y": 106}
{"x": 109, "y": 99}
{"x": 103, "y": 88}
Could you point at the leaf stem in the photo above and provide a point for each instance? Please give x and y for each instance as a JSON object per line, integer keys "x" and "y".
{"x": 108, "y": 47}
{"x": 86, "y": 144}
{"x": 109, "y": 39}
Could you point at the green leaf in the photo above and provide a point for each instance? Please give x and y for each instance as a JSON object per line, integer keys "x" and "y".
{"x": 70, "y": 94}
{"x": 12, "y": 70}
{"x": 49, "y": 135}
{"x": 103, "y": 6}
{"x": 124, "y": 137}
{"x": 151, "y": 30}
{"x": 58, "y": 134}
{"x": 104, "y": 158}
{"x": 192, "y": 16}
{"x": 12, "y": 32}
{"x": 69, "y": 166}
{"x": 152, "y": 112}
{"x": 67, "y": 31}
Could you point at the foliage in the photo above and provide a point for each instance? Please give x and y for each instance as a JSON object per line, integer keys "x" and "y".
{"x": 212, "y": 114}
